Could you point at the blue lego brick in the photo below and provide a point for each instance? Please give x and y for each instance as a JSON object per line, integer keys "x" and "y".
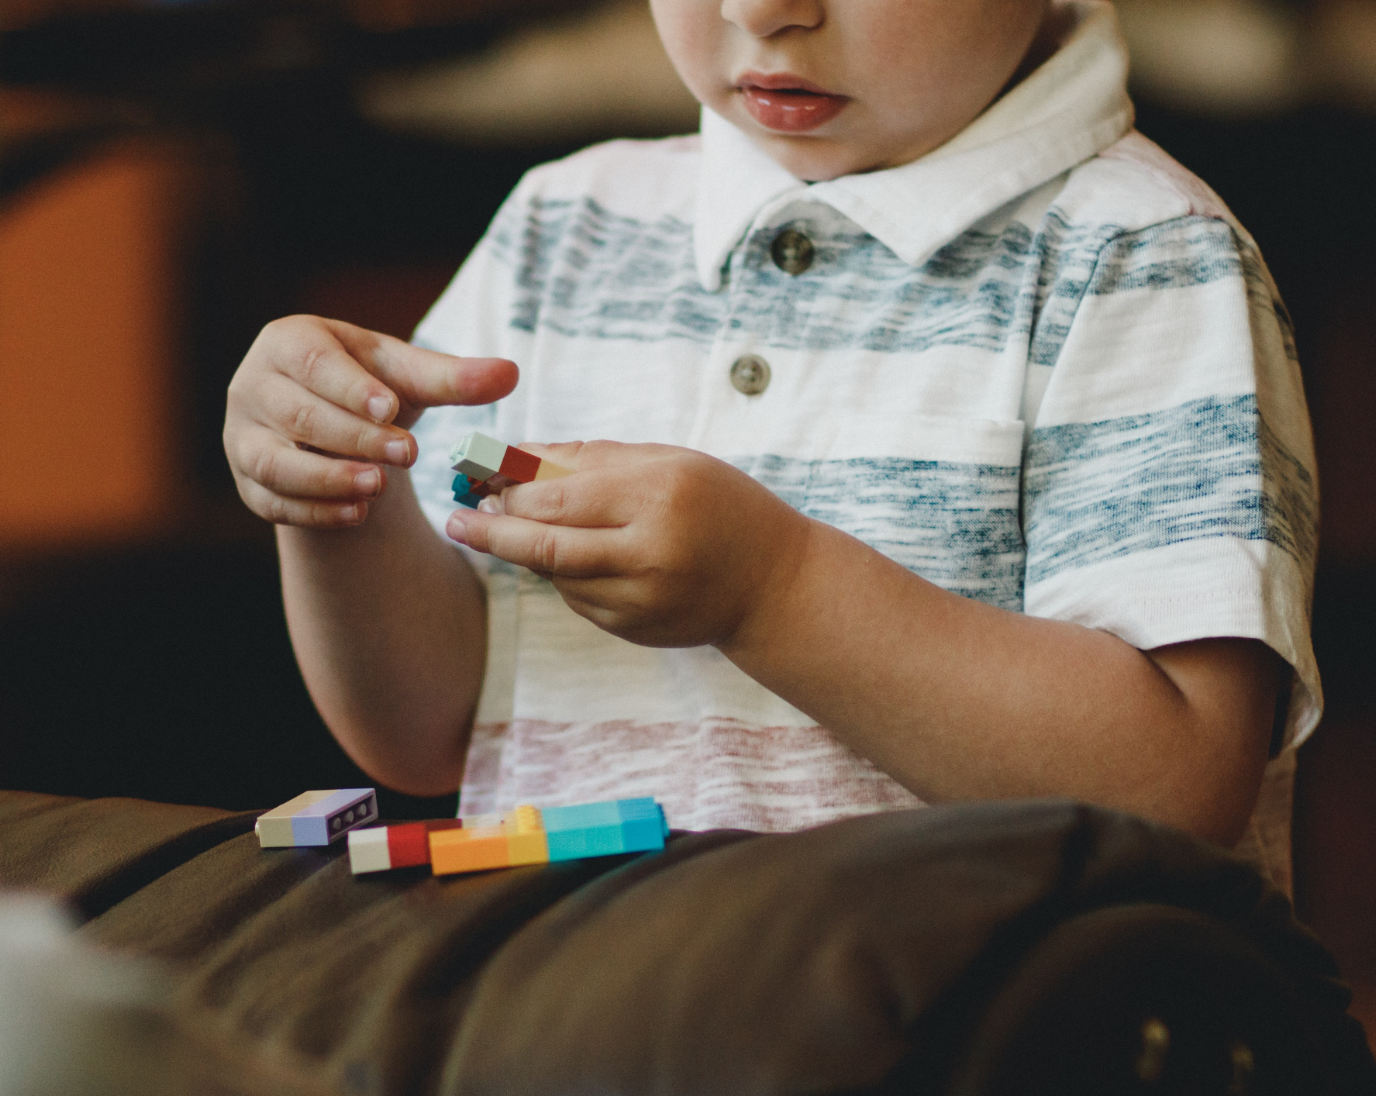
{"x": 643, "y": 826}
{"x": 331, "y": 818}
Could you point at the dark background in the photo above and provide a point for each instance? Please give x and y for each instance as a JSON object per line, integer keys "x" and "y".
{"x": 142, "y": 646}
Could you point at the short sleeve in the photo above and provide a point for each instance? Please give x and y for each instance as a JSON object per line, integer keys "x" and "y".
{"x": 1169, "y": 479}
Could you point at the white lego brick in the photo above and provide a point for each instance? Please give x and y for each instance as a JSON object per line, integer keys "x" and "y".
{"x": 478, "y": 457}
{"x": 368, "y": 851}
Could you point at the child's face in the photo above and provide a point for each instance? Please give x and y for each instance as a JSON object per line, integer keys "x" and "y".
{"x": 833, "y": 87}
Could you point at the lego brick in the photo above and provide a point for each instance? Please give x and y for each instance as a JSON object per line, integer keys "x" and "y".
{"x": 409, "y": 843}
{"x": 526, "y": 840}
{"x": 478, "y": 457}
{"x": 466, "y": 849}
{"x": 643, "y": 826}
{"x": 519, "y": 466}
{"x": 588, "y": 829}
{"x": 368, "y": 850}
{"x": 316, "y": 818}
{"x": 550, "y": 470}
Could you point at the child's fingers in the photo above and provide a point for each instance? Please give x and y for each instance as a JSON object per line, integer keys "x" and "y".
{"x": 548, "y": 549}
{"x": 588, "y": 501}
{"x": 286, "y": 470}
{"x": 314, "y": 513}
{"x": 308, "y": 349}
{"x": 299, "y": 415}
{"x": 427, "y": 378}
{"x": 327, "y": 369}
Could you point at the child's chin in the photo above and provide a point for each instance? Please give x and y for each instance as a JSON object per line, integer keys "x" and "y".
{"x": 813, "y": 159}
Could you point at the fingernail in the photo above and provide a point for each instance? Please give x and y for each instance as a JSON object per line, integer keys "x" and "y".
{"x": 492, "y": 504}
{"x": 368, "y": 483}
{"x": 455, "y": 529}
{"x": 397, "y": 451}
{"x": 380, "y": 407}
{"x": 349, "y": 514}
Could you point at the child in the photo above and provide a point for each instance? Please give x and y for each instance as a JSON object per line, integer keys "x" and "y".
{"x": 948, "y": 415}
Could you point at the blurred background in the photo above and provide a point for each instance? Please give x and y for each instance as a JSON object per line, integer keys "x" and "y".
{"x": 175, "y": 173}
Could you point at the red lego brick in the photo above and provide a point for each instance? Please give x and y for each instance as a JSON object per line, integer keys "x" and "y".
{"x": 408, "y": 845}
{"x": 518, "y": 465}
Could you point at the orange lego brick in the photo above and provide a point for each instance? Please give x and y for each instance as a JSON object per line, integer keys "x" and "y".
{"x": 466, "y": 849}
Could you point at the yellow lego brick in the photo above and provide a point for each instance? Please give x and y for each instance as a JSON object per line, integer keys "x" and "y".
{"x": 525, "y": 837}
{"x": 469, "y": 850}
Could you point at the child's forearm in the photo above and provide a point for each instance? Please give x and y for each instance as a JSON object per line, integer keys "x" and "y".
{"x": 957, "y": 699}
{"x": 389, "y": 627}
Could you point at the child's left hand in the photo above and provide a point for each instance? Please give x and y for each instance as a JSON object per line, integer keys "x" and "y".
{"x": 662, "y": 546}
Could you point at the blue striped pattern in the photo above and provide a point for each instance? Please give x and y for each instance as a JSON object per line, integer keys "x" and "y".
{"x": 1209, "y": 468}
{"x": 1086, "y": 493}
{"x": 584, "y": 271}
{"x": 953, "y": 523}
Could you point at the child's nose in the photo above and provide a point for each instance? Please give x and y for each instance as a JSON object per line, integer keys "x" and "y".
{"x": 765, "y": 18}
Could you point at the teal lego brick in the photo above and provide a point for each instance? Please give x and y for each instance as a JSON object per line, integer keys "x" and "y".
{"x": 581, "y": 815}
{"x": 463, "y": 492}
{"x": 588, "y": 829}
{"x": 643, "y": 825}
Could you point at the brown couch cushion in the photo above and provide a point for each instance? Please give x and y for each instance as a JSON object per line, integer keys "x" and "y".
{"x": 909, "y": 951}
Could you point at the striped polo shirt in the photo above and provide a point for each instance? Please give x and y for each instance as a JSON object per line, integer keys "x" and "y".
{"x": 1041, "y": 366}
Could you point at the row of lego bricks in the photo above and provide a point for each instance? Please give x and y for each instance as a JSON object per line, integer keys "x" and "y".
{"x": 526, "y": 835}
{"x": 523, "y": 836}
{"x": 485, "y": 466}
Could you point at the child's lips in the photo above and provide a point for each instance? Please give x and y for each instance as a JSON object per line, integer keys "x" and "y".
{"x": 788, "y": 104}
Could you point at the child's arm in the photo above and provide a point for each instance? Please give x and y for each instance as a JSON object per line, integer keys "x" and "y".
{"x": 387, "y": 620}
{"x": 952, "y": 697}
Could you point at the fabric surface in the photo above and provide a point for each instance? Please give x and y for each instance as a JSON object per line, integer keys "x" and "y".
{"x": 1055, "y": 381}
{"x": 857, "y": 957}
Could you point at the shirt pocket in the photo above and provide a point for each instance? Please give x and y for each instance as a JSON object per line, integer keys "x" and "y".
{"x": 938, "y": 494}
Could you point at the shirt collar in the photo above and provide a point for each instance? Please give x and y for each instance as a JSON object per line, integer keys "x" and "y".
{"x": 1071, "y": 108}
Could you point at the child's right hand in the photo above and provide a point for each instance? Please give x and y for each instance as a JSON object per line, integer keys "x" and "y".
{"x": 318, "y": 408}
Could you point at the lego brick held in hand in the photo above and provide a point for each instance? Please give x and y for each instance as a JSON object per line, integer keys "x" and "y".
{"x": 486, "y": 466}
{"x": 316, "y": 818}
